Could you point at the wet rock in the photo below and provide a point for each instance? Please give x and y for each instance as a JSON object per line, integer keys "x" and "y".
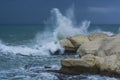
{"x": 79, "y": 66}
{"x": 57, "y": 52}
{"x": 109, "y": 65}
{"x": 47, "y": 67}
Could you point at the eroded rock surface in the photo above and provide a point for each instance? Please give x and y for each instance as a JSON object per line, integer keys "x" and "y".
{"x": 99, "y": 55}
{"x": 109, "y": 65}
{"x": 97, "y": 35}
{"x": 72, "y": 44}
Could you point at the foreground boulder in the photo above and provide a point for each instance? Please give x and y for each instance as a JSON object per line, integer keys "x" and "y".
{"x": 109, "y": 65}
{"x": 72, "y": 44}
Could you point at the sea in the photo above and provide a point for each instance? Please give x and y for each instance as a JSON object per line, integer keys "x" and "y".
{"x": 27, "y": 51}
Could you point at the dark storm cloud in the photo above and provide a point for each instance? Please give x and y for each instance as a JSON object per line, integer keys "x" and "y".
{"x": 36, "y": 11}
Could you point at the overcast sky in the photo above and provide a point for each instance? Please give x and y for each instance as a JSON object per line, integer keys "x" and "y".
{"x": 37, "y": 11}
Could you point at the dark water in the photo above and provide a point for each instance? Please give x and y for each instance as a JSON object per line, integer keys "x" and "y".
{"x": 18, "y": 49}
{"x": 15, "y": 33}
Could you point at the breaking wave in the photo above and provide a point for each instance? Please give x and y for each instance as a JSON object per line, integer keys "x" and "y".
{"x": 48, "y": 42}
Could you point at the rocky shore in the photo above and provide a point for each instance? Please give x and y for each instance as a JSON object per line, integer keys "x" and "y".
{"x": 99, "y": 54}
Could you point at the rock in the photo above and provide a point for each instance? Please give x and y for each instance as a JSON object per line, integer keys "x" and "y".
{"x": 78, "y": 40}
{"x": 108, "y": 65}
{"x": 47, "y": 67}
{"x": 72, "y": 44}
{"x": 116, "y": 35}
{"x": 97, "y": 35}
{"x": 78, "y": 66}
{"x": 91, "y": 47}
{"x": 86, "y": 61}
{"x": 101, "y": 47}
{"x": 67, "y": 45}
{"x": 110, "y": 46}
{"x": 98, "y": 56}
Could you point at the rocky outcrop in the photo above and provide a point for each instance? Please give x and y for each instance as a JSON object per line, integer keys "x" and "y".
{"x": 78, "y": 40}
{"x": 99, "y": 55}
{"x": 72, "y": 44}
{"x": 91, "y": 47}
{"x": 110, "y": 46}
{"x": 101, "y": 47}
{"x": 66, "y": 43}
{"x": 97, "y": 35}
{"x": 109, "y": 65}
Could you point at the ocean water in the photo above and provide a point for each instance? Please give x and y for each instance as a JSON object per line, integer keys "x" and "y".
{"x": 27, "y": 51}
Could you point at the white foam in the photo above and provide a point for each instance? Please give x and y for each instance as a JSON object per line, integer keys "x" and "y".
{"x": 97, "y": 77}
{"x": 65, "y": 26}
{"x": 46, "y": 76}
{"x": 100, "y": 31}
{"x": 48, "y": 42}
{"x": 26, "y": 50}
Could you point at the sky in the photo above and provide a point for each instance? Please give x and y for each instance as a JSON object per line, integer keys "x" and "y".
{"x": 37, "y": 11}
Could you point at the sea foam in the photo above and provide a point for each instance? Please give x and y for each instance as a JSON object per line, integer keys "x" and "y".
{"x": 48, "y": 42}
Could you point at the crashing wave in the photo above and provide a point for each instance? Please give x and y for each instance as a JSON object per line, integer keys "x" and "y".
{"x": 48, "y": 42}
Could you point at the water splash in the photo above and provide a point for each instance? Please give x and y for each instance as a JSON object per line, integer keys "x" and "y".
{"x": 48, "y": 42}
{"x": 65, "y": 26}
{"x": 97, "y": 77}
{"x": 47, "y": 49}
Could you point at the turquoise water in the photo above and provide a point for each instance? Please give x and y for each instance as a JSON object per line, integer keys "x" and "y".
{"x": 22, "y": 58}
